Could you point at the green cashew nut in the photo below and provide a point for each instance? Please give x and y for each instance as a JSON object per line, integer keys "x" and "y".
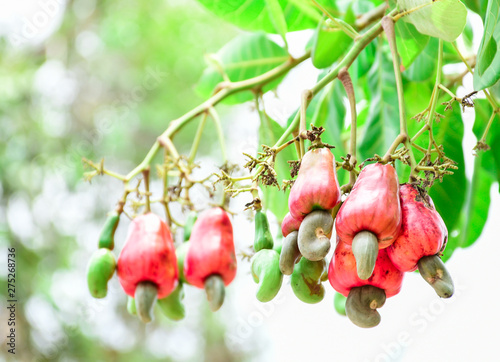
{"x": 362, "y": 303}
{"x": 290, "y": 254}
{"x": 266, "y": 271}
{"x": 216, "y": 291}
{"x": 339, "y": 303}
{"x": 181, "y": 253}
{"x": 188, "y": 225}
{"x": 306, "y": 280}
{"x": 146, "y": 294}
{"x": 107, "y": 236}
{"x": 263, "y": 237}
{"x": 100, "y": 269}
{"x": 131, "y": 306}
{"x": 313, "y": 241}
{"x": 365, "y": 250}
{"x": 434, "y": 272}
{"x": 172, "y": 306}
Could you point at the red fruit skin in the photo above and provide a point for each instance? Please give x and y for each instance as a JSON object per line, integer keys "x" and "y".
{"x": 212, "y": 249}
{"x": 423, "y": 231}
{"x": 316, "y": 186}
{"x": 373, "y": 205}
{"x": 148, "y": 255}
{"x": 290, "y": 224}
{"x": 343, "y": 276}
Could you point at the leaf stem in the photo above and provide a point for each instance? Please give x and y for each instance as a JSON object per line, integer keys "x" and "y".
{"x": 450, "y": 93}
{"x": 369, "y": 17}
{"x": 346, "y": 80}
{"x": 346, "y": 28}
{"x": 388, "y": 26}
{"x": 435, "y": 93}
{"x": 223, "y": 90}
{"x": 359, "y": 44}
{"x": 420, "y": 132}
{"x": 197, "y": 138}
{"x": 409, "y": 11}
{"x": 492, "y": 100}
{"x": 485, "y": 133}
{"x": 145, "y": 174}
{"x": 305, "y": 100}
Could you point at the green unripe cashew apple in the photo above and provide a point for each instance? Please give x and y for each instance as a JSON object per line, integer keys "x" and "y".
{"x": 107, "y": 236}
{"x": 131, "y": 306}
{"x": 307, "y": 279}
{"x": 181, "y": 252}
{"x": 188, "y": 225}
{"x": 278, "y": 244}
{"x": 100, "y": 269}
{"x": 339, "y": 303}
{"x": 263, "y": 238}
{"x": 266, "y": 272}
{"x": 172, "y": 306}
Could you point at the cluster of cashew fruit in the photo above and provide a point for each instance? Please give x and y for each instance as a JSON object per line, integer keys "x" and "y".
{"x": 152, "y": 271}
{"x": 383, "y": 229}
{"x": 307, "y": 229}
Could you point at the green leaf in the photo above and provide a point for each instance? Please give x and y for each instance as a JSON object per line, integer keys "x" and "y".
{"x": 444, "y": 19}
{"x": 478, "y": 6}
{"x": 478, "y": 202}
{"x": 255, "y": 15}
{"x": 475, "y": 211}
{"x": 275, "y": 200}
{"x": 329, "y": 112}
{"x": 244, "y": 57}
{"x": 363, "y": 62}
{"x": 424, "y": 66}
{"x": 449, "y": 195}
{"x": 330, "y": 43}
{"x": 484, "y": 111}
{"x": 487, "y": 70}
{"x": 382, "y": 123}
{"x": 277, "y": 17}
{"x": 410, "y": 42}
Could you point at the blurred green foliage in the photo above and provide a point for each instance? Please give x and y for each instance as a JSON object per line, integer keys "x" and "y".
{"x": 106, "y": 83}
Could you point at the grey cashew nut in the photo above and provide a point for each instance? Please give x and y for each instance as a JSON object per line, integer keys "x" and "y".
{"x": 365, "y": 250}
{"x": 145, "y": 297}
{"x": 290, "y": 254}
{"x": 362, "y": 303}
{"x": 216, "y": 291}
{"x": 313, "y": 241}
{"x": 434, "y": 272}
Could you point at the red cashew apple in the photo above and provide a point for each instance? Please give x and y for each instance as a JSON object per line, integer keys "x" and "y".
{"x": 423, "y": 236}
{"x": 316, "y": 186}
{"x": 370, "y": 217}
{"x": 290, "y": 224}
{"x": 363, "y": 296}
{"x": 147, "y": 265}
{"x": 210, "y": 261}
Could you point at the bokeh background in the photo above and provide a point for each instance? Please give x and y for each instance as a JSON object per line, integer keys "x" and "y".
{"x": 73, "y": 78}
